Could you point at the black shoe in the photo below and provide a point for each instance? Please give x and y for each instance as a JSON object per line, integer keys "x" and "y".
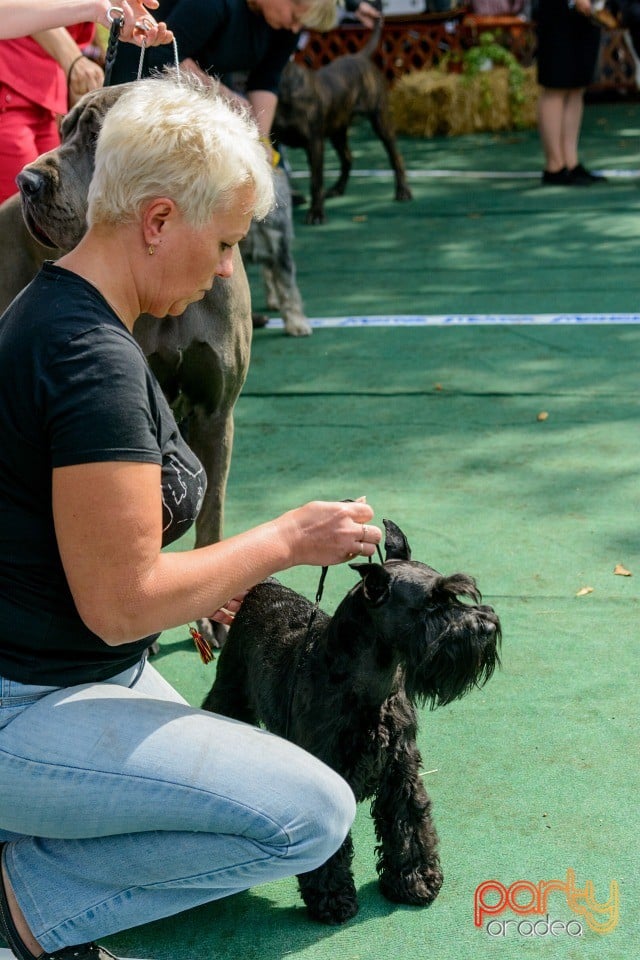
{"x": 579, "y": 176}
{"x": 85, "y": 951}
{"x": 557, "y": 178}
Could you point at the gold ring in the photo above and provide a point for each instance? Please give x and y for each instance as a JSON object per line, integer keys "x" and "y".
{"x": 364, "y": 533}
{"x": 350, "y": 556}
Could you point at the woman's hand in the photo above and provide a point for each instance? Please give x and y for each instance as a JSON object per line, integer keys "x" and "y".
{"x": 139, "y": 26}
{"x": 84, "y": 76}
{"x": 324, "y": 533}
{"x": 226, "y": 614}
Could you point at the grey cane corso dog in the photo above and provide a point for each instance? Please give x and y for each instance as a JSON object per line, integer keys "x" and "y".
{"x": 200, "y": 358}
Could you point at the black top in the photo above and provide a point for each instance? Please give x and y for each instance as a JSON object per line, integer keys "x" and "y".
{"x": 75, "y": 388}
{"x": 222, "y": 36}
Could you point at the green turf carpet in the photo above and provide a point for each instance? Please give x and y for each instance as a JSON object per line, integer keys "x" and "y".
{"x": 537, "y": 774}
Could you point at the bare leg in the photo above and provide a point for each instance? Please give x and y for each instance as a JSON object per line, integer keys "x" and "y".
{"x": 551, "y": 124}
{"x": 572, "y": 122}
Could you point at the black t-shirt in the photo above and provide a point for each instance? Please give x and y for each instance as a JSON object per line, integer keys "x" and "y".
{"x": 222, "y": 36}
{"x": 75, "y": 388}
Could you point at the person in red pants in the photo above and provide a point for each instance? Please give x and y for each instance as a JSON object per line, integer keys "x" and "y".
{"x": 38, "y": 75}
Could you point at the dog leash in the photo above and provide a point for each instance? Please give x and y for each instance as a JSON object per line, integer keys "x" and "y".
{"x": 115, "y": 16}
{"x": 305, "y": 648}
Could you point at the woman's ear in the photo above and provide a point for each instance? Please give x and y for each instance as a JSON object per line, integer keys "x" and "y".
{"x": 157, "y": 216}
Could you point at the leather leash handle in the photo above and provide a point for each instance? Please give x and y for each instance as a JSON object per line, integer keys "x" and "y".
{"x": 116, "y": 15}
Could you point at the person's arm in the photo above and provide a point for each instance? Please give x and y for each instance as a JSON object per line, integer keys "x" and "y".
{"x": 263, "y": 107}
{"x": 108, "y": 520}
{"x": 22, "y": 18}
{"x": 82, "y": 73}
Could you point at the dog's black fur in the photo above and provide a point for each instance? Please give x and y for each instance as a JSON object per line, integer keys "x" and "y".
{"x": 345, "y": 688}
{"x": 316, "y": 104}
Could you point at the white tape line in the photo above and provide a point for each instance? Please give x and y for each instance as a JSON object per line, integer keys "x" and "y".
{"x": 464, "y": 174}
{"x": 470, "y": 320}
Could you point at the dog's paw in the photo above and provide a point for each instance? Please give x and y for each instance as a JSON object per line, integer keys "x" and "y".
{"x": 404, "y": 193}
{"x": 419, "y": 887}
{"x": 333, "y": 909}
{"x": 297, "y": 327}
{"x": 315, "y": 217}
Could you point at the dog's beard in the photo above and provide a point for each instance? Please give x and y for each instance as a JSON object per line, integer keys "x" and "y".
{"x": 459, "y": 654}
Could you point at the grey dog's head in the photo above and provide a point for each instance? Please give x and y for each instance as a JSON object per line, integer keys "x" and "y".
{"x": 53, "y": 189}
{"x": 447, "y": 640}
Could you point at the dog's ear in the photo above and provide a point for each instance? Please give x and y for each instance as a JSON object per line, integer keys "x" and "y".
{"x": 375, "y": 581}
{"x": 460, "y": 585}
{"x": 396, "y": 545}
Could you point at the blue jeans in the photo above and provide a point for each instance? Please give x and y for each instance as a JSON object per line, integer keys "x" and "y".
{"x": 122, "y": 804}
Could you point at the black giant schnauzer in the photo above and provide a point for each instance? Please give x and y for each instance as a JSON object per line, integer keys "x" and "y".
{"x": 345, "y": 688}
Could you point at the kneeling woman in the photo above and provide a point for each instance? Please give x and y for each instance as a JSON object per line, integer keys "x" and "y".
{"x": 120, "y": 803}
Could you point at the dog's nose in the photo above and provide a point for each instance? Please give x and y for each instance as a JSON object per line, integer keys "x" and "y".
{"x": 30, "y": 183}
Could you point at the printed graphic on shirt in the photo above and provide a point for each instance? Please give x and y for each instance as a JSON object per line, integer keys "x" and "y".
{"x": 183, "y": 489}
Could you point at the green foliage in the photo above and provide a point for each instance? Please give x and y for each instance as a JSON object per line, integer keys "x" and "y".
{"x": 478, "y": 60}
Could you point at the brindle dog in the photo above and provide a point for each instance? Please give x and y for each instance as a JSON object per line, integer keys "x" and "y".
{"x": 316, "y": 104}
{"x": 200, "y": 358}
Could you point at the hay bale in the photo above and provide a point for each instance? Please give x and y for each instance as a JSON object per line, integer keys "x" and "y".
{"x": 431, "y": 103}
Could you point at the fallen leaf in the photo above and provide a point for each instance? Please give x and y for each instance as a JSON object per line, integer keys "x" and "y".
{"x": 621, "y": 571}
{"x": 360, "y": 218}
{"x": 583, "y": 591}
{"x": 437, "y": 386}
{"x": 543, "y": 415}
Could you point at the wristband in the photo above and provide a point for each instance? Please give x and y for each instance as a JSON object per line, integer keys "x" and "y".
{"x": 81, "y": 56}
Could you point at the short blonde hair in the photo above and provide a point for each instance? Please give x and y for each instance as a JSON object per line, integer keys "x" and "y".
{"x": 321, "y": 15}
{"x": 176, "y": 137}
